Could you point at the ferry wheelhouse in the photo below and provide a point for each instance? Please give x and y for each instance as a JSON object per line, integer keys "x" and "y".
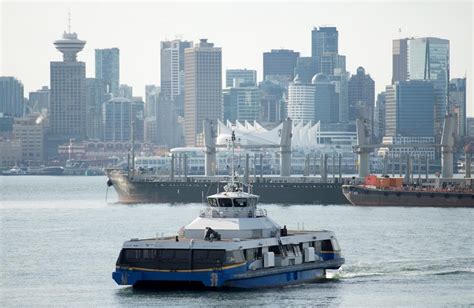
{"x": 232, "y": 243}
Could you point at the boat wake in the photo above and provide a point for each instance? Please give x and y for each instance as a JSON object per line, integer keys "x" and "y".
{"x": 406, "y": 268}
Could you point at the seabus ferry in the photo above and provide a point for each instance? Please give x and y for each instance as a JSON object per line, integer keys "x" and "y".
{"x": 232, "y": 243}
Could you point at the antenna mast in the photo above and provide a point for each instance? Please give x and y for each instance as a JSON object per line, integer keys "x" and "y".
{"x": 233, "y": 148}
{"x": 69, "y": 21}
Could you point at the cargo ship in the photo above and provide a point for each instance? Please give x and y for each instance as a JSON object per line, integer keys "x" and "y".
{"x": 386, "y": 191}
{"x": 276, "y": 190}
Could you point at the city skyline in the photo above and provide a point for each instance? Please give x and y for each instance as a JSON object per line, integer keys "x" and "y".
{"x": 362, "y": 43}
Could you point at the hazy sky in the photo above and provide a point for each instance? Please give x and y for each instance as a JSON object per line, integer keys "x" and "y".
{"x": 244, "y": 30}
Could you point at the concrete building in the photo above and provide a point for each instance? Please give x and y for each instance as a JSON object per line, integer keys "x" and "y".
{"x": 10, "y": 153}
{"x": 39, "y": 100}
{"x": 107, "y": 68}
{"x": 361, "y": 97}
{"x": 409, "y": 109}
{"x": 67, "y": 113}
{"x": 401, "y": 152}
{"x": 118, "y": 115}
{"x": 11, "y": 96}
{"x": 6, "y": 126}
{"x": 428, "y": 59}
{"x": 457, "y": 103}
{"x": 96, "y": 95}
{"x": 202, "y": 89}
{"x": 30, "y": 131}
{"x": 236, "y": 77}
{"x": 279, "y": 63}
{"x": 399, "y": 60}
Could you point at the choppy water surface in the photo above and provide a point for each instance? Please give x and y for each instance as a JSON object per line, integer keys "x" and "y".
{"x": 59, "y": 240}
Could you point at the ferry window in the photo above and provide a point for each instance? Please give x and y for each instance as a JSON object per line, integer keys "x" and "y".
{"x": 225, "y": 202}
{"x": 274, "y": 249}
{"x": 232, "y": 257}
{"x": 182, "y": 255}
{"x": 167, "y": 254}
{"x": 212, "y": 202}
{"x": 207, "y": 258}
{"x": 240, "y": 202}
{"x": 326, "y": 245}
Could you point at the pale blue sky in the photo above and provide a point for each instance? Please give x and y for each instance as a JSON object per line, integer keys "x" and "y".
{"x": 244, "y": 30}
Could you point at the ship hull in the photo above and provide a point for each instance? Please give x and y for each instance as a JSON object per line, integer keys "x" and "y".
{"x": 233, "y": 277}
{"x": 364, "y": 196}
{"x": 142, "y": 191}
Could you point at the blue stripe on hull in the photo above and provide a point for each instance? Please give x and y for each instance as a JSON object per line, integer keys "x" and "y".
{"x": 277, "y": 280}
{"x": 218, "y": 278}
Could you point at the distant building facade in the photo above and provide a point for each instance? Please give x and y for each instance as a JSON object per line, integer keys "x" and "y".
{"x": 399, "y": 60}
{"x": 107, "y": 68}
{"x": 457, "y": 103}
{"x": 11, "y": 96}
{"x": 379, "y": 117}
{"x": 96, "y": 95}
{"x": 202, "y": 89}
{"x": 125, "y": 91}
{"x": 301, "y": 103}
{"x": 361, "y": 96}
{"x": 409, "y": 109}
{"x": 236, "y": 77}
{"x": 279, "y": 62}
{"x": 306, "y": 68}
{"x": 241, "y": 103}
{"x": 119, "y": 114}
{"x": 30, "y": 131}
{"x": 10, "y": 153}
{"x": 326, "y": 104}
{"x": 39, "y": 99}
{"x": 272, "y": 102}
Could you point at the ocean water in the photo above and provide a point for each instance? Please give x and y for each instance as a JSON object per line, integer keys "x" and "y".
{"x": 60, "y": 238}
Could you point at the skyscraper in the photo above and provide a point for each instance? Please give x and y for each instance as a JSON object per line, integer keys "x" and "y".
{"x": 272, "y": 102}
{"x": 326, "y": 104}
{"x": 361, "y": 96}
{"x": 172, "y": 68}
{"x": 428, "y": 59}
{"x": 96, "y": 95}
{"x": 39, "y": 99}
{"x": 306, "y": 68}
{"x": 409, "y": 109}
{"x": 280, "y": 63}
{"x": 379, "y": 117}
{"x": 324, "y": 40}
{"x": 243, "y": 76}
{"x": 107, "y": 68}
{"x": 119, "y": 115}
{"x": 340, "y": 79}
{"x": 11, "y": 96}
{"x": 125, "y": 91}
{"x": 457, "y": 103}
{"x": 399, "y": 60}
{"x": 202, "y": 89}
{"x": 241, "y": 103}
{"x": 67, "y": 114}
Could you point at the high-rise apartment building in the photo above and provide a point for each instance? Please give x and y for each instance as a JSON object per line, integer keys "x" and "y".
{"x": 279, "y": 63}
{"x": 172, "y": 68}
{"x": 67, "y": 114}
{"x": 236, "y": 77}
{"x": 11, "y": 96}
{"x": 202, "y": 89}
{"x": 301, "y": 102}
{"x": 409, "y": 109}
{"x": 107, "y": 68}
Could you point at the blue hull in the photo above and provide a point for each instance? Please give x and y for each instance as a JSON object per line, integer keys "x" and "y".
{"x": 235, "y": 277}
